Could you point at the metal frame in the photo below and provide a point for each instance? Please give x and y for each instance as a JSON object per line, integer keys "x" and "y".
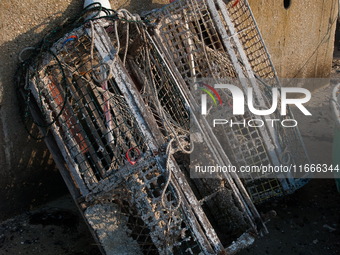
{"x": 131, "y": 184}
{"x": 221, "y": 29}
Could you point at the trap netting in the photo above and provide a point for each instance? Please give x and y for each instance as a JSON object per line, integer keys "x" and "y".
{"x": 114, "y": 148}
{"x": 161, "y": 94}
{"x": 220, "y": 40}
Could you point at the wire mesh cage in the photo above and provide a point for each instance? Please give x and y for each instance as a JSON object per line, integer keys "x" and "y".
{"x": 157, "y": 85}
{"x": 220, "y": 39}
{"x": 161, "y": 94}
{"x": 113, "y": 144}
{"x": 159, "y": 88}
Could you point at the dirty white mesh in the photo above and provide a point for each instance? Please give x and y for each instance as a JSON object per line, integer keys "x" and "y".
{"x": 220, "y": 39}
{"x": 115, "y": 150}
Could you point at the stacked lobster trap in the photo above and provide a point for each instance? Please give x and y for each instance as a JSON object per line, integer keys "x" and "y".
{"x": 220, "y": 40}
{"x": 114, "y": 113}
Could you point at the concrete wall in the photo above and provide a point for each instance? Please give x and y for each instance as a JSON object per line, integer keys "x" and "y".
{"x": 28, "y": 176}
{"x": 299, "y": 39}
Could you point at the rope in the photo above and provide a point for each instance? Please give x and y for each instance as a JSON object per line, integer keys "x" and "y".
{"x": 164, "y": 118}
{"x": 165, "y": 121}
{"x": 120, "y": 13}
{"x": 127, "y": 42}
{"x": 106, "y": 67}
{"x": 169, "y": 152}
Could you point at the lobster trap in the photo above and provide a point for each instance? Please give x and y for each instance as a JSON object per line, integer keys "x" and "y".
{"x": 110, "y": 140}
{"x": 220, "y": 40}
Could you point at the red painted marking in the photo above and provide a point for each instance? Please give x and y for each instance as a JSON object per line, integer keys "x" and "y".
{"x": 218, "y": 96}
{"x": 237, "y": 1}
{"x": 127, "y": 155}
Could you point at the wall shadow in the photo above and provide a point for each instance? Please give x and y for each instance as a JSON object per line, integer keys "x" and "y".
{"x": 28, "y": 174}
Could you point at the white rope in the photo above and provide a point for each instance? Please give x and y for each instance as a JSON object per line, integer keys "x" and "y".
{"x": 129, "y": 16}
{"x": 127, "y": 42}
{"x": 169, "y": 152}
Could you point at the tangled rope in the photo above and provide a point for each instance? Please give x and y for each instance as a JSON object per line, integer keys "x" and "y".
{"x": 166, "y": 123}
{"x": 106, "y": 68}
{"x": 169, "y": 152}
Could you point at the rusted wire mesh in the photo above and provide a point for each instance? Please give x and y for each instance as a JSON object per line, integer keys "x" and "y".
{"x": 99, "y": 118}
{"x": 252, "y": 42}
{"x": 161, "y": 94}
{"x": 95, "y": 121}
{"x": 159, "y": 90}
{"x": 97, "y": 127}
{"x": 205, "y": 41}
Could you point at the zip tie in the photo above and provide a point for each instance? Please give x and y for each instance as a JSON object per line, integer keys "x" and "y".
{"x": 127, "y": 155}
{"x": 100, "y": 149}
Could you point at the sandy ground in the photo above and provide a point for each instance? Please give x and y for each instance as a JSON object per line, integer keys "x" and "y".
{"x": 307, "y": 222}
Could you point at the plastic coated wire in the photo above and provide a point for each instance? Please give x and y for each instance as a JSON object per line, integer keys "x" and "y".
{"x": 170, "y": 151}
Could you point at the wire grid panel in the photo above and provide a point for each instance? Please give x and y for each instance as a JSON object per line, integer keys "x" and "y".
{"x": 158, "y": 87}
{"x": 246, "y": 147}
{"x": 96, "y": 122}
{"x": 167, "y": 229}
{"x": 252, "y": 42}
{"x": 188, "y": 31}
{"x": 139, "y": 195}
{"x": 192, "y": 44}
{"x": 98, "y": 127}
{"x": 172, "y": 28}
{"x": 240, "y": 25}
{"x": 160, "y": 92}
{"x": 217, "y": 193}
